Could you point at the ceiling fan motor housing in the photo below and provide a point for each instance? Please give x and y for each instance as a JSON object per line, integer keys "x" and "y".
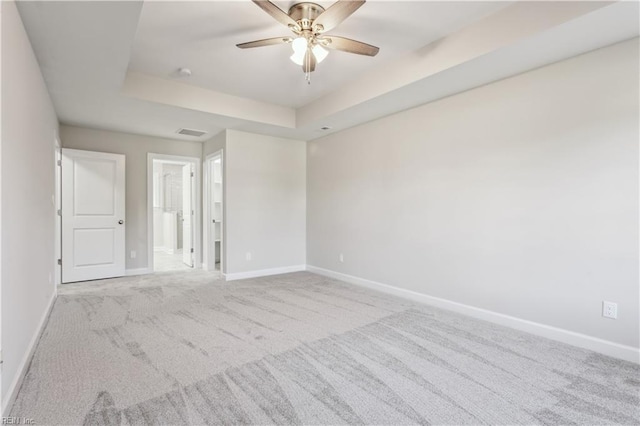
{"x": 305, "y": 13}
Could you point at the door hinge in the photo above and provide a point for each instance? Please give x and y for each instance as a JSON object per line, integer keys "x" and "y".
{"x": 59, "y": 212}
{"x": 192, "y": 212}
{"x": 60, "y": 262}
{"x": 191, "y": 174}
{"x": 59, "y": 162}
{"x": 0, "y": 357}
{"x": 191, "y": 250}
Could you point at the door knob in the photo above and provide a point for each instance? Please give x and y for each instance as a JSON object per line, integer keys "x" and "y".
{"x": 121, "y": 221}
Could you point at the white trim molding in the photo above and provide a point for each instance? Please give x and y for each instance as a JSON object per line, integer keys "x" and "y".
{"x": 138, "y": 271}
{"x": 616, "y": 350}
{"x": 207, "y": 213}
{"x": 14, "y": 388}
{"x": 264, "y": 272}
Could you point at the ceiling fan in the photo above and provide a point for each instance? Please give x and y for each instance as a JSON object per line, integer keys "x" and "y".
{"x": 309, "y": 22}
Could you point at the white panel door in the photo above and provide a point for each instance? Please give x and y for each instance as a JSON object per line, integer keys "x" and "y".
{"x": 93, "y": 211}
{"x": 187, "y": 216}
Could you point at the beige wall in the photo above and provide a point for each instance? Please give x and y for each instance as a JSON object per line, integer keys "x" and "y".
{"x": 29, "y": 128}
{"x": 264, "y": 186}
{"x": 135, "y": 148}
{"x": 520, "y": 197}
{"x": 265, "y": 202}
{"x": 214, "y": 144}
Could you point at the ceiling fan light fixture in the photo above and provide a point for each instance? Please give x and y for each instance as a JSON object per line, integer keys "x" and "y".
{"x": 319, "y": 52}
{"x": 299, "y": 46}
{"x": 297, "y": 59}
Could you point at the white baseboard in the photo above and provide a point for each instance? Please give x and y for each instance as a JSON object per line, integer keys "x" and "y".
{"x": 263, "y": 272}
{"x": 14, "y": 388}
{"x": 616, "y": 350}
{"x": 139, "y": 271}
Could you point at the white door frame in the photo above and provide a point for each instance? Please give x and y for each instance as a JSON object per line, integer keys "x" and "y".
{"x": 208, "y": 213}
{"x": 57, "y": 216}
{"x": 188, "y": 216}
{"x": 196, "y": 191}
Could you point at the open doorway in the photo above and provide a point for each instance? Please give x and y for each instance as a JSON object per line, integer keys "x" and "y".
{"x": 173, "y": 214}
{"x": 214, "y": 212}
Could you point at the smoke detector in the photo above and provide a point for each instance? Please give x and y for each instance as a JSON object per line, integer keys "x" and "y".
{"x": 184, "y": 72}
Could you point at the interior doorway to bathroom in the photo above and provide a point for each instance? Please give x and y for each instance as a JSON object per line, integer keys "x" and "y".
{"x": 174, "y": 215}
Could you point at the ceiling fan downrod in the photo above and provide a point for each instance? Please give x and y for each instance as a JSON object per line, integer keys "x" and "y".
{"x": 305, "y": 13}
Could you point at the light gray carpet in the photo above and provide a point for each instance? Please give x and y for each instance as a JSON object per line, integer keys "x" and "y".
{"x": 181, "y": 347}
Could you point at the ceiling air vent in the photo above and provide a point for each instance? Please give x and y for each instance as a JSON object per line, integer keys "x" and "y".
{"x": 191, "y": 132}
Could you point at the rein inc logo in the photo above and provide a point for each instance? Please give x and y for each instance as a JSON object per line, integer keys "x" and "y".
{"x": 17, "y": 421}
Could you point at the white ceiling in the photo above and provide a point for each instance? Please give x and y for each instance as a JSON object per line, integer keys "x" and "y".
{"x": 202, "y": 36}
{"x": 112, "y": 64}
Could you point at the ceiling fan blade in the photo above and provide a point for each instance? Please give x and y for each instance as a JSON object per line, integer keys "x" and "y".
{"x": 277, "y": 13}
{"x": 265, "y": 42}
{"x": 348, "y": 45}
{"x": 309, "y": 63}
{"x": 336, "y": 13}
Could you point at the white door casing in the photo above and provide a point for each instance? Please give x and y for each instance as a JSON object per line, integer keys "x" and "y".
{"x": 187, "y": 215}
{"x": 58, "y": 218}
{"x": 93, "y": 213}
{"x": 196, "y": 203}
{"x": 212, "y": 215}
{"x": 217, "y": 225}
{"x": 213, "y": 212}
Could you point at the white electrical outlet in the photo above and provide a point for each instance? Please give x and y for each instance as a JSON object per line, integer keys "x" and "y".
{"x": 133, "y": 254}
{"x": 609, "y": 309}
{"x": 248, "y": 256}
{"x": 341, "y": 258}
